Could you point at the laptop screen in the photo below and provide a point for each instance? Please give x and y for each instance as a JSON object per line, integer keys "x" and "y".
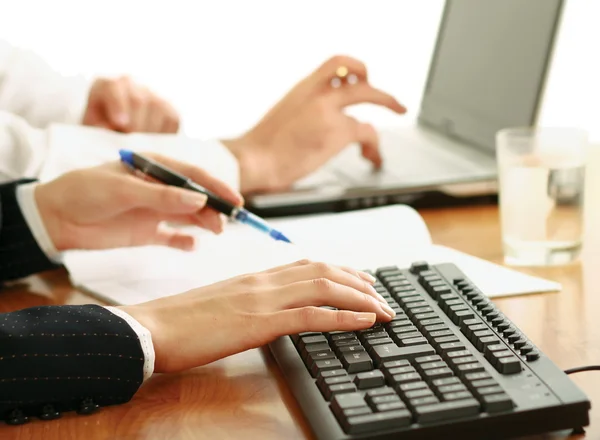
{"x": 489, "y": 67}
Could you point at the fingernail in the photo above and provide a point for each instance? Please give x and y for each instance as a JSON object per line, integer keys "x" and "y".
{"x": 194, "y": 199}
{"x": 377, "y": 294}
{"x": 368, "y": 277}
{"x": 387, "y": 309}
{"x": 365, "y": 317}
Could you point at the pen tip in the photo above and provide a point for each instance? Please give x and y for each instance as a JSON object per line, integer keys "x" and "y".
{"x": 126, "y": 156}
{"x": 279, "y": 236}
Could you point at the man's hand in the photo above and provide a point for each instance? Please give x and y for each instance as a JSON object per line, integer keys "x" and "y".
{"x": 107, "y": 206}
{"x": 209, "y": 323}
{"x": 121, "y": 105}
{"x": 308, "y": 127}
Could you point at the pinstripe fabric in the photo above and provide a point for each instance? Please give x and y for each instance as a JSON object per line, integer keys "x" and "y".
{"x": 57, "y": 358}
{"x": 20, "y": 254}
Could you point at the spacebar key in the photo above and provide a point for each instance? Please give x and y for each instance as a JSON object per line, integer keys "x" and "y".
{"x": 446, "y": 410}
{"x": 391, "y": 352}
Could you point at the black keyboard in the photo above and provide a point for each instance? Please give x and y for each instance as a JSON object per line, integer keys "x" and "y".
{"x": 450, "y": 365}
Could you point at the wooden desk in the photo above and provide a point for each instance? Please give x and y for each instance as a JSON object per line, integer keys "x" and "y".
{"x": 244, "y": 396}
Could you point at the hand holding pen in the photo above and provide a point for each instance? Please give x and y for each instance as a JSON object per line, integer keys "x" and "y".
{"x": 168, "y": 176}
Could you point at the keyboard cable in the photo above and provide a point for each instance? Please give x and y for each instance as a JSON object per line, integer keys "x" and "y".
{"x": 582, "y": 369}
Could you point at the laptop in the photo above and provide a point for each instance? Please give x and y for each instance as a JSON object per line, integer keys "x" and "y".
{"x": 487, "y": 72}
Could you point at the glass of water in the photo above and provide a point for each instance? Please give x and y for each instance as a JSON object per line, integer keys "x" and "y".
{"x": 541, "y": 175}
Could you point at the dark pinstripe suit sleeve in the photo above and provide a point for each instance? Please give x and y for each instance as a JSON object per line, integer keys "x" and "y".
{"x": 64, "y": 358}
{"x": 20, "y": 254}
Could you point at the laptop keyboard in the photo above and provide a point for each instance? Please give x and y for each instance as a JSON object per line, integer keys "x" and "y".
{"x": 449, "y": 362}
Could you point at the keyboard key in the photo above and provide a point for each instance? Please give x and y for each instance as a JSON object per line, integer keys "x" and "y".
{"x": 463, "y": 360}
{"x": 437, "y": 373}
{"x": 460, "y": 353}
{"x": 445, "y": 339}
{"x": 325, "y": 384}
{"x": 324, "y": 365}
{"x": 532, "y": 355}
{"x": 407, "y": 377}
{"x": 369, "y": 343}
{"x": 519, "y": 343}
{"x": 332, "y": 373}
{"x": 484, "y": 383}
{"x": 526, "y": 348}
{"x": 431, "y": 365}
{"x": 446, "y": 410}
{"x": 340, "y": 402}
{"x": 306, "y": 340}
{"x": 452, "y": 388}
{"x": 457, "y": 396}
{"x": 374, "y": 335}
{"x": 404, "y": 329}
{"x": 399, "y": 337}
{"x": 380, "y": 400}
{"x": 380, "y": 392}
{"x": 446, "y": 381}
{"x": 509, "y": 365}
{"x": 343, "y": 336}
{"x": 469, "y": 368}
{"x": 489, "y": 390}
{"x": 396, "y": 364}
{"x": 299, "y": 336}
{"x": 452, "y": 346}
{"x": 435, "y": 327}
{"x": 433, "y": 321}
{"x": 406, "y": 387}
{"x": 357, "y": 362}
{"x": 369, "y": 379}
{"x": 427, "y": 359}
{"x": 391, "y": 352}
{"x": 497, "y": 402}
{"x": 377, "y": 421}
{"x": 390, "y": 406}
{"x": 414, "y": 341}
{"x": 417, "y": 394}
{"x": 322, "y": 355}
{"x": 477, "y": 376}
{"x": 314, "y": 348}
{"x": 332, "y": 390}
{"x": 351, "y": 349}
{"x": 423, "y": 401}
{"x": 357, "y": 411}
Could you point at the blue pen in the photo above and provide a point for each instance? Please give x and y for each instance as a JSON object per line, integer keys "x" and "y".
{"x": 170, "y": 177}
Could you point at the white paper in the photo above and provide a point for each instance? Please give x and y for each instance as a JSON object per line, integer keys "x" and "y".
{"x": 394, "y": 235}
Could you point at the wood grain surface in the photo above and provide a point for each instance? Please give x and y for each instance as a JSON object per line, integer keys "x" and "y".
{"x": 244, "y": 396}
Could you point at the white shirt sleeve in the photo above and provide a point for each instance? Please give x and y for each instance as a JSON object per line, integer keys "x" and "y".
{"x": 49, "y": 153}
{"x": 31, "y": 89}
{"x": 26, "y": 200}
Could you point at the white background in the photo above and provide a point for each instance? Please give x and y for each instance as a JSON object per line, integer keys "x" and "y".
{"x": 223, "y": 63}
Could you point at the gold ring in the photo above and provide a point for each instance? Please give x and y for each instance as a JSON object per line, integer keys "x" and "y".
{"x": 343, "y": 74}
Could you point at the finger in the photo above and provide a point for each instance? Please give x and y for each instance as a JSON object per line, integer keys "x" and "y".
{"x": 363, "y": 93}
{"x": 171, "y": 237}
{"x": 367, "y": 137}
{"x": 205, "y": 219}
{"x": 315, "y": 319}
{"x": 324, "y": 292}
{"x": 171, "y": 120}
{"x": 137, "y": 193}
{"x": 211, "y": 220}
{"x": 155, "y": 119}
{"x": 329, "y": 68}
{"x": 116, "y": 104}
{"x": 138, "y": 101}
{"x": 314, "y": 271}
{"x": 365, "y": 276}
{"x": 201, "y": 177}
